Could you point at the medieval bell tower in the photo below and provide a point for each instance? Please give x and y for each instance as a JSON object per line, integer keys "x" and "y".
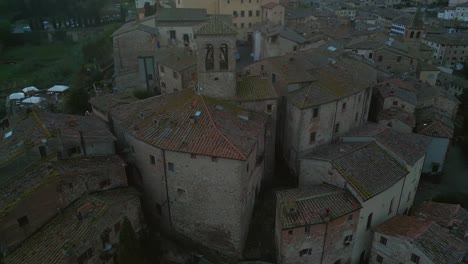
{"x": 216, "y": 58}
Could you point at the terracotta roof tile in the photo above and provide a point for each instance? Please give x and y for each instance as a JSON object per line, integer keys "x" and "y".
{"x": 215, "y": 26}
{"x": 170, "y": 122}
{"x": 308, "y": 205}
{"x": 255, "y": 88}
{"x": 66, "y": 232}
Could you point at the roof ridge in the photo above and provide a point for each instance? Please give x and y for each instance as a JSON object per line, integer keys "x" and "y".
{"x": 219, "y": 132}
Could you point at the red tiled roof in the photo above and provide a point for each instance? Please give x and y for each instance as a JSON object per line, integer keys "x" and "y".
{"x": 441, "y": 213}
{"x": 170, "y": 122}
{"x": 403, "y": 226}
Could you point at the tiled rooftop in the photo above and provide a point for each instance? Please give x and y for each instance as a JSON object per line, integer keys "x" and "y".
{"x": 176, "y": 15}
{"x": 441, "y": 213}
{"x": 392, "y": 89}
{"x": 454, "y": 39}
{"x": 215, "y": 26}
{"x": 66, "y": 232}
{"x": 434, "y": 123}
{"x": 435, "y": 242}
{"x": 334, "y": 151}
{"x": 369, "y": 170}
{"x": 397, "y": 114}
{"x": 408, "y": 146}
{"x": 20, "y": 186}
{"x": 255, "y": 88}
{"x": 105, "y": 103}
{"x": 170, "y": 122}
{"x": 308, "y": 205}
{"x": 71, "y": 126}
{"x": 177, "y": 59}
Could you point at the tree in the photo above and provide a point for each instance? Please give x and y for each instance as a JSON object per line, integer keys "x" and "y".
{"x": 130, "y": 250}
{"x": 5, "y": 33}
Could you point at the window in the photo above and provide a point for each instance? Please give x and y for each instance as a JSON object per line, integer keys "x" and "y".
{"x": 273, "y": 78}
{"x": 228, "y": 1}
{"x": 152, "y": 159}
{"x": 223, "y": 57}
{"x": 312, "y": 138}
{"x": 359, "y": 99}
{"x": 214, "y": 159}
{"x": 83, "y": 258}
{"x": 170, "y": 166}
{"x": 250, "y": 13}
{"x": 235, "y": 25}
{"x": 193, "y": 156}
{"x": 250, "y": 25}
{"x": 23, "y": 221}
{"x": 403, "y": 106}
{"x": 175, "y": 75}
{"x": 269, "y": 108}
{"x": 242, "y": 25}
{"x": 350, "y": 217}
{"x": 347, "y": 240}
{"x": 306, "y": 251}
{"x": 117, "y": 227}
{"x": 395, "y": 103}
{"x": 383, "y": 240}
{"x": 290, "y": 231}
{"x": 209, "y": 57}
{"x": 234, "y": 13}
{"x": 390, "y": 208}
{"x": 343, "y": 107}
{"x": 262, "y": 67}
{"x": 379, "y": 259}
{"x": 337, "y": 127}
{"x": 398, "y": 59}
{"x": 409, "y": 196}
{"x": 315, "y": 113}
{"x": 242, "y": 1}
{"x": 369, "y": 221}
{"x": 104, "y": 183}
{"x": 73, "y": 151}
{"x": 356, "y": 117}
{"x": 307, "y": 229}
{"x": 172, "y": 34}
{"x": 247, "y": 166}
{"x": 380, "y": 58}
{"x": 257, "y": 13}
{"x": 415, "y": 258}
{"x": 242, "y": 13}
{"x": 161, "y": 68}
{"x": 370, "y": 55}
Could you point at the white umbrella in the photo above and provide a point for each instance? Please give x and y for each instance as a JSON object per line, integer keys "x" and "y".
{"x": 58, "y": 88}
{"x": 16, "y": 96}
{"x": 30, "y": 89}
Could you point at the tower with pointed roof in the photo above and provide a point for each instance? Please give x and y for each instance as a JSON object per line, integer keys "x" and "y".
{"x": 216, "y": 58}
{"x": 415, "y": 31}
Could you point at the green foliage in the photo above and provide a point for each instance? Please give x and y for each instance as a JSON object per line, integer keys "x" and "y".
{"x": 130, "y": 250}
{"x": 77, "y": 101}
{"x": 5, "y": 33}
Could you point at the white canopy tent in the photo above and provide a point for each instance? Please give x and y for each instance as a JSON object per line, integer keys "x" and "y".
{"x": 16, "y": 96}
{"x": 30, "y": 89}
{"x": 58, "y": 89}
{"x": 32, "y": 100}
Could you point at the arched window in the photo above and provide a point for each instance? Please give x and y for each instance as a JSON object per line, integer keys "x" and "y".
{"x": 412, "y": 34}
{"x": 369, "y": 221}
{"x": 209, "y": 59}
{"x": 223, "y": 57}
{"x": 418, "y": 35}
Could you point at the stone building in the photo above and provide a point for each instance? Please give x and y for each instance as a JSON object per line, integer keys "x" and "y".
{"x": 405, "y": 239}
{"x": 437, "y": 125}
{"x": 85, "y": 232}
{"x": 177, "y": 69}
{"x": 315, "y": 224}
{"x": 409, "y": 150}
{"x": 182, "y": 142}
{"x": 394, "y": 103}
{"x": 448, "y": 49}
{"x": 271, "y": 41}
{"x": 129, "y": 42}
{"x": 31, "y": 198}
{"x": 102, "y": 104}
{"x": 459, "y": 12}
{"x": 245, "y": 13}
{"x": 335, "y": 103}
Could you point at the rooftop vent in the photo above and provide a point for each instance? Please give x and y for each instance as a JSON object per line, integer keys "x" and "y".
{"x": 155, "y": 121}
{"x": 197, "y": 113}
{"x": 219, "y": 107}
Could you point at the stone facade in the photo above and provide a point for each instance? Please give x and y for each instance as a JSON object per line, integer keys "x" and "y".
{"x": 300, "y": 123}
{"x": 172, "y": 80}
{"x": 217, "y": 82}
